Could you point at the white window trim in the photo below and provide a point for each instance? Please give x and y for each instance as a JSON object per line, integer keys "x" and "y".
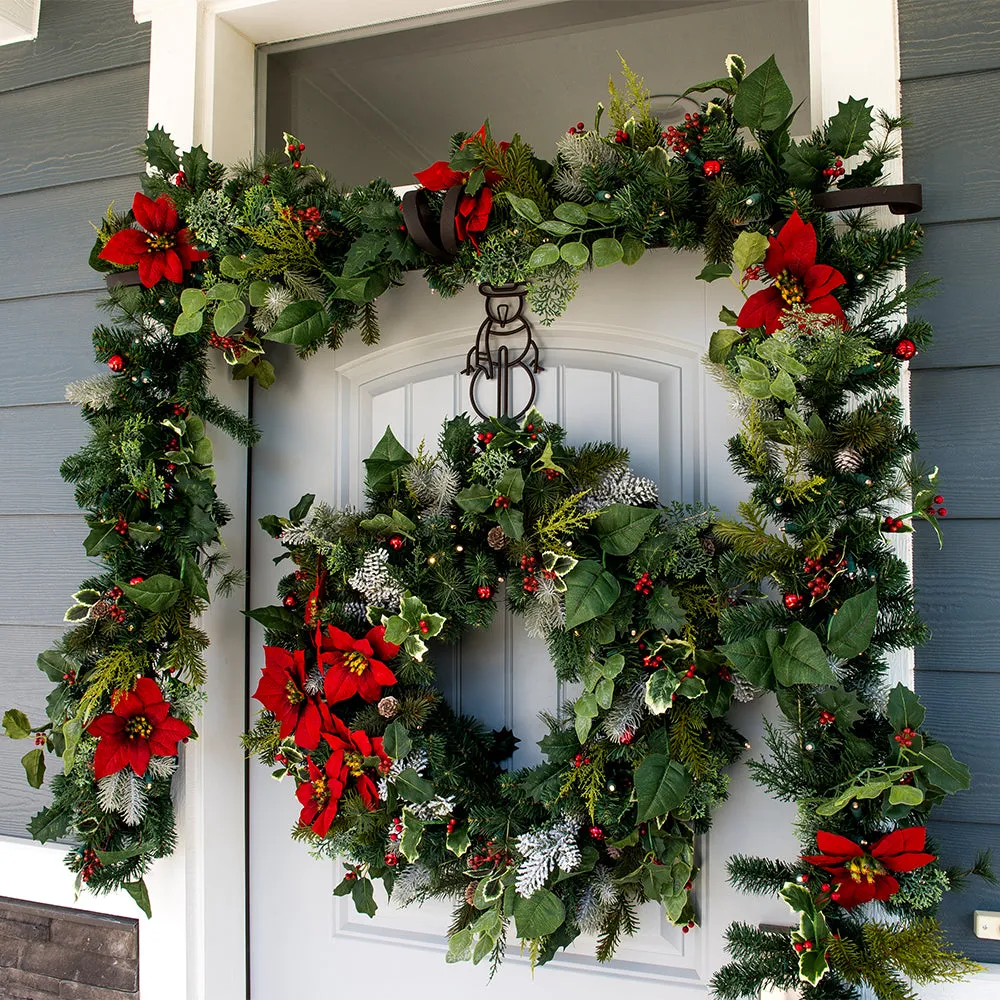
{"x": 202, "y": 89}
{"x": 18, "y": 20}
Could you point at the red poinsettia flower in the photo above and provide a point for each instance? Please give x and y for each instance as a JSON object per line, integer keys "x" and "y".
{"x": 352, "y": 748}
{"x": 864, "y": 875}
{"x": 798, "y": 279}
{"x": 162, "y": 250}
{"x": 473, "y": 214}
{"x": 351, "y": 666}
{"x": 139, "y": 727}
{"x": 282, "y": 690}
{"x": 312, "y": 602}
{"x": 320, "y": 795}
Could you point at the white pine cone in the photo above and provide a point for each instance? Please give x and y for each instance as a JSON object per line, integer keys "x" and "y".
{"x": 848, "y": 459}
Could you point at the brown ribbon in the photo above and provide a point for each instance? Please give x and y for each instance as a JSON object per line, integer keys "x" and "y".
{"x": 902, "y": 199}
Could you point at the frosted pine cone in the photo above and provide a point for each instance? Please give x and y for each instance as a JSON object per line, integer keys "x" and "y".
{"x": 388, "y": 707}
{"x": 496, "y": 539}
{"x": 847, "y": 460}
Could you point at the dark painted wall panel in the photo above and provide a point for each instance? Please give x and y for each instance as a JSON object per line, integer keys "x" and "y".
{"x": 957, "y": 166}
{"x": 939, "y": 37}
{"x": 74, "y": 37}
{"x": 72, "y": 130}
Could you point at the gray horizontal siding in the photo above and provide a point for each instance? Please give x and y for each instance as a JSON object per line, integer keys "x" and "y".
{"x": 950, "y": 60}
{"x": 73, "y": 107}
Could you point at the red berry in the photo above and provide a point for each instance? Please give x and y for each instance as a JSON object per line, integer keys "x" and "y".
{"x": 392, "y": 860}
{"x": 597, "y": 833}
{"x": 685, "y": 929}
{"x": 939, "y": 499}
{"x": 905, "y": 349}
{"x": 296, "y": 164}
{"x": 396, "y": 542}
{"x": 116, "y": 363}
{"x": 942, "y": 512}
{"x": 580, "y": 126}
{"x": 793, "y": 601}
{"x": 797, "y": 946}
{"x": 302, "y": 146}
{"x": 136, "y": 580}
{"x": 289, "y": 601}
{"x": 710, "y": 168}
{"x": 484, "y": 592}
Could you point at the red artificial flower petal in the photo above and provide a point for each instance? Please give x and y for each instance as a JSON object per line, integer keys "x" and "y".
{"x": 339, "y": 684}
{"x": 339, "y": 639}
{"x": 763, "y": 308}
{"x": 107, "y": 725}
{"x": 147, "y": 212}
{"x": 368, "y": 686}
{"x": 439, "y": 177}
{"x": 381, "y": 673}
{"x": 376, "y": 636}
{"x": 150, "y": 269}
{"x": 833, "y": 843}
{"x": 172, "y": 269}
{"x": 368, "y": 791}
{"x": 821, "y": 279}
{"x": 127, "y": 246}
{"x": 308, "y": 729}
{"x": 850, "y": 893}
{"x": 827, "y": 304}
{"x": 157, "y": 712}
{"x": 909, "y": 838}
{"x": 109, "y": 758}
{"x": 138, "y": 754}
{"x": 163, "y": 742}
{"x": 797, "y": 240}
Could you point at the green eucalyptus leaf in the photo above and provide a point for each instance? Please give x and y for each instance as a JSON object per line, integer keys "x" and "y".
{"x": 576, "y": 254}
{"x": 570, "y": 211}
{"x": 543, "y": 256}
{"x": 607, "y": 251}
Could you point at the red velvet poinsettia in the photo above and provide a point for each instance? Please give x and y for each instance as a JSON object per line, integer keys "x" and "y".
{"x": 320, "y": 795}
{"x": 162, "y": 250}
{"x": 798, "y": 279}
{"x": 140, "y": 726}
{"x": 282, "y": 690}
{"x": 864, "y": 875}
{"x": 473, "y": 209}
{"x": 354, "y": 666}
{"x": 352, "y": 748}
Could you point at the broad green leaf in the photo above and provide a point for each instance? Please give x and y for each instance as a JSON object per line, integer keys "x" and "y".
{"x": 802, "y": 162}
{"x": 574, "y": 253}
{"x": 752, "y": 658}
{"x": 540, "y": 914}
{"x": 940, "y": 769}
{"x": 660, "y": 785}
{"x": 412, "y": 787}
{"x": 386, "y": 459}
{"x": 556, "y": 227}
{"x": 276, "y": 619}
{"x": 460, "y": 946}
{"x": 590, "y": 591}
{"x": 222, "y": 291}
{"x": 585, "y": 710}
{"x": 664, "y": 610}
{"x": 720, "y": 344}
{"x": 142, "y": 532}
{"x": 34, "y": 766}
{"x": 547, "y": 253}
{"x": 570, "y": 211}
{"x": 750, "y": 248}
{"x": 396, "y": 741}
{"x": 138, "y": 891}
{"x": 607, "y": 251}
{"x": 783, "y": 387}
{"x": 258, "y": 293}
{"x": 659, "y": 688}
{"x": 157, "y": 593}
{"x": 604, "y": 692}
{"x": 511, "y": 485}
{"x": 475, "y": 499}
{"x": 852, "y": 627}
{"x": 844, "y": 705}
{"x": 351, "y": 288}
{"x": 101, "y": 539}
{"x": 512, "y": 522}
{"x": 16, "y": 724}
{"x": 800, "y": 659}
{"x": 55, "y": 664}
{"x": 72, "y": 730}
{"x": 622, "y": 527}
{"x": 193, "y": 578}
{"x": 780, "y": 355}
{"x": 188, "y": 322}
{"x": 763, "y": 99}
{"x": 850, "y": 128}
{"x": 712, "y": 272}
{"x": 299, "y": 511}
{"x": 364, "y": 897}
{"x": 234, "y": 267}
{"x": 905, "y": 795}
{"x": 49, "y": 824}
{"x": 752, "y": 368}
{"x": 524, "y": 207}
{"x": 632, "y": 249}
{"x": 601, "y": 211}
{"x": 413, "y": 832}
{"x": 301, "y": 323}
{"x": 458, "y": 841}
{"x": 905, "y": 709}
{"x": 77, "y": 613}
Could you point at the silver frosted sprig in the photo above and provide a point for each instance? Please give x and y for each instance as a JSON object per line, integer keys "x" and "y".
{"x": 543, "y": 851}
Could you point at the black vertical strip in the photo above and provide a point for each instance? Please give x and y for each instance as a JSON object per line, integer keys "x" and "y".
{"x": 247, "y": 667}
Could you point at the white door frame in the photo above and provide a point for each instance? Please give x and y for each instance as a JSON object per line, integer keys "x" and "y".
{"x": 202, "y": 89}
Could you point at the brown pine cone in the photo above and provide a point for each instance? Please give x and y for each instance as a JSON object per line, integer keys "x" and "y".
{"x": 496, "y": 539}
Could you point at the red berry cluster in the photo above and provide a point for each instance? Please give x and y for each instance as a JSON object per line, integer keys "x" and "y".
{"x": 711, "y": 168}
{"x": 579, "y": 760}
{"x": 493, "y": 856}
{"x": 725, "y": 674}
{"x": 691, "y": 670}
{"x": 938, "y": 512}
{"x": 801, "y": 946}
{"x": 452, "y": 825}
{"x": 350, "y": 876}
{"x": 121, "y": 526}
{"x": 502, "y": 502}
{"x": 311, "y": 215}
{"x": 116, "y": 363}
{"x": 289, "y": 601}
{"x": 621, "y": 135}
{"x": 70, "y": 677}
{"x": 529, "y": 564}
{"x": 484, "y": 438}
{"x": 644, "y": 585}
{"x": 227, "y": 343}
{"x": 391, "y": 859}
{"x": 793, "y": 601}
{"x": 179, "y": 179}
{"x": 179, "y": 410}
{"x": 551, "y": 474}
{"x": 654, "y": 661}
{"x": 532, "y": 432}
{"x": 397, "y": 829}
{"x": 484, "y": 592}
{"x": 91, "y": 862}
{"x": 39, "y": 739}
{"x": 679, "y": 139}
{"x": 423, "y": 626}
{"x": 396, "y": 542}
{"x": 893, "y": 524}
{"x": 752, "y": 273}
{"x": 687, "y": 927}
{"x": 904, "y": 350}
{"x": 905, "y": 738}
{"x": 824, "y": 570}
{"x": 837, "y": 170}
{"x": 626, "y": 737}
{"x": 827, "y": 718}
{"x": 596, "y": 833}
{"x": 293, "y": 149}
{"x": 578, "y": 129}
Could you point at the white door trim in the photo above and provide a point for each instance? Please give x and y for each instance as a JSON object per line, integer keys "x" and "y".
{"x": 202, "y": 90}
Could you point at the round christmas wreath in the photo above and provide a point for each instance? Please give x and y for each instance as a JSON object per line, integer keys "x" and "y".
{"x": 661, "y": 613}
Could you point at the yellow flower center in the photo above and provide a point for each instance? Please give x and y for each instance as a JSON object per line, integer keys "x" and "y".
{"x": 321, "y": 793}
{"x": 355, "y": 764}
{"x": 293, "y": 694}
{"x": 138, "y": 727}
{"x": 791, "y": 290}
{"x": 864, "y": 869}
{"x": 356, "y": 662}
{"x": 159, "y": 241}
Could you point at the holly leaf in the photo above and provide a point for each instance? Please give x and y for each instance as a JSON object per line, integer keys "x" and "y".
{"x": 541, "y": 914}
{"x": 905, "y": 709}
{"x": 364, "y": 897}
{"x": 511, "y": 485}
{"x": 458, "y": 841}
{"x": 301, "y": 323}
{"x": 156, "y": 593}
{"x": 659, "y": 690}
{"x": 712, "y": 272}
{"x": 386, "y": 459}
{"x": 763, "y": 99}
{"x": 161, "y": 152}
{"x": 664, "y": 610}
{"x": 850, "y": 128}
{"x": 412, "y": 787}
{"x": 475, "y": 499}
{"x": 396, "y": 741}
{"x": 195, "y": 164}
{"x": 101, "y": 539}
{"x": 802, "y": 162}
{"x": 622, "y": 527}
{"x": 16, "y": 724}
{"x": 800, "y": 659}
{"x": 193, "y": 578}
{"x": 660, "y": 785}
{"x": 142, "y": 532}
{"x": 852, "y": 627}
{"x": 512, "y": 522}
{"x": 413, "y": 832}
{"x": 843, "y": 704}
{"x": 590, "y": 591}
{"x": 49, "y": 824}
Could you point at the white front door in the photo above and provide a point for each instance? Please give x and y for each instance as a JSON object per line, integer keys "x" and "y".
{"x": 621, "y": 365}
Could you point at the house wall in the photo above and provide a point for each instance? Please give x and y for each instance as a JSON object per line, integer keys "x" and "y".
{"x": 72, "y": 109}
{"x": 950, "y": 69}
